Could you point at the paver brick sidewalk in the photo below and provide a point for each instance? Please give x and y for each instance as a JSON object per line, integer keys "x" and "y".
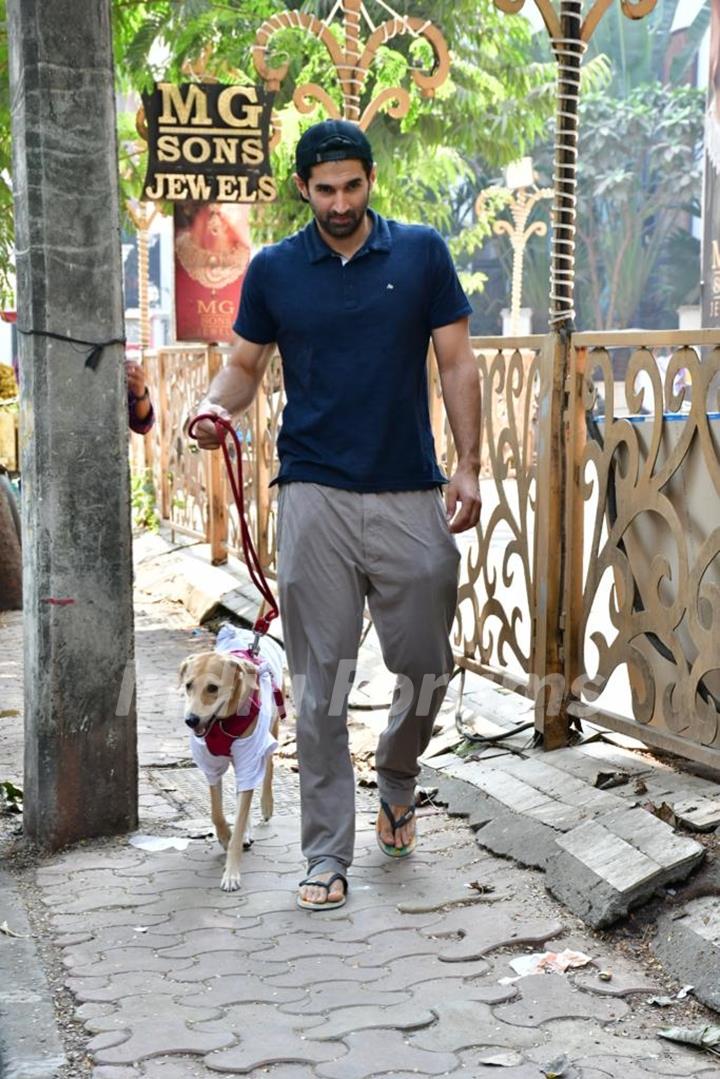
{"x": 174, "y": 979}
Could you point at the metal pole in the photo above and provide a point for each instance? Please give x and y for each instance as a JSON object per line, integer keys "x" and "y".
{"x": 569, "y": 50}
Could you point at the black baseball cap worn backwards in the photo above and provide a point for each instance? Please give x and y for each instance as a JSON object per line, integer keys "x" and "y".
{"x": 331, "y": 140}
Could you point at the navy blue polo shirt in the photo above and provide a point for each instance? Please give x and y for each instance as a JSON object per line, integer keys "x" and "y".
{"x": 353, "y": 340}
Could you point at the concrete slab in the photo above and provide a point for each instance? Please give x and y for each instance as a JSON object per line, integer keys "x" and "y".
{"x": 688, "y": 944}
{"x": 700, "y": 814}
{"x": 608, "y": 866}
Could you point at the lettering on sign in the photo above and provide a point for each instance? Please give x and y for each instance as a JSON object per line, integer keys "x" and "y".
{"x": 208, "y": 142}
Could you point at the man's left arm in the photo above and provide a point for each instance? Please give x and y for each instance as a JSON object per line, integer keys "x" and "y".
{"x": 460, "y": 384}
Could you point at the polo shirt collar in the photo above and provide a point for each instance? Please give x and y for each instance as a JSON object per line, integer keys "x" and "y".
{"x": 379, "y": 239}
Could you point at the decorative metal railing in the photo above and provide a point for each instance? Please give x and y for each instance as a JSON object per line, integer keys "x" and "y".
{"x": 643, "y": 641}
{"x": 592, "y": 580}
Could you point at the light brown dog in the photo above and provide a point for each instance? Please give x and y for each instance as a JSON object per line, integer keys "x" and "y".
{"x": 223, "y": 713}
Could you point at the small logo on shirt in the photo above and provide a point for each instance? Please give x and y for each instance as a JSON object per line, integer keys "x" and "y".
{"x": 389, "y": 285}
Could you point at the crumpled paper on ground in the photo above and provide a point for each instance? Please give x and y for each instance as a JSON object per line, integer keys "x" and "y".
{"x": 158, "y": 842}
{"x": 546, "y": 963}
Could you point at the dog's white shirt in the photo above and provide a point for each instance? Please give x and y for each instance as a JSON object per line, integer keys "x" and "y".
{"x": 249, "y": 755}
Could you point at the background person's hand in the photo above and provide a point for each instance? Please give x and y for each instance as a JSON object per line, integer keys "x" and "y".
{"x": 204, "y": 433}
{"x": 135, "y": 377}
{"x": 462, "y": 500}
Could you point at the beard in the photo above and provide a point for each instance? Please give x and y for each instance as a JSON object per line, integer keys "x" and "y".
{"x": 342, "y": 225}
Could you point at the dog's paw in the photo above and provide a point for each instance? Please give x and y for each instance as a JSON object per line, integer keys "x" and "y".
{"x": 230, "y": 880}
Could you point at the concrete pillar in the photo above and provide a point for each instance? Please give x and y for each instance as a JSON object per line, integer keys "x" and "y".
{"x": 80, "y": 757}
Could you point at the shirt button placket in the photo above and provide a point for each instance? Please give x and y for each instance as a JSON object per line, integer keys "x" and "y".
{"x": 349, "y": 298}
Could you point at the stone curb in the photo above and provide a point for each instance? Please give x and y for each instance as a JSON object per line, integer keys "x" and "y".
{"x": 30, "y": 1045}
{"x": 690, "y": 957}
{"x": 584, "y": 890}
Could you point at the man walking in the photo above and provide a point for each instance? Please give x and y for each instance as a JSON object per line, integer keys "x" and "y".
{"x": 352, "y": 301}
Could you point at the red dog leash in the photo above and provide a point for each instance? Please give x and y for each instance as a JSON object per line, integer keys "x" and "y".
{"x": 252, "y": 561}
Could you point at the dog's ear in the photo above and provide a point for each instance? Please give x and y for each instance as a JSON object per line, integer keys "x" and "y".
{"x": 245, "y": 677}
{"x": 183, "y": 670}
{"x": 185, "y": 666}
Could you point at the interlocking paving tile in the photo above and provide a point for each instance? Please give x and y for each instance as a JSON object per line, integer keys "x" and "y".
{"x": 387, "y": 1049}
{"x": 443, "y": 902}
{"x": 122, "y": 960}
{"x": 197, "y": 942}
{"x": 69, "y": 923}
{"x": 463, "y": 1023}
{"x": 279, "y": 1071}
{"x": 624, "y": 982}
{"x": 552, "y": 996}
{"x": 318, "y": 969}
{"x": 94, "y": 899}
{"x": 163, "y": 1009}
{"x": 412, "y": 970}
{"x": 249, "y": 989}
{"x": 324, "y": 996}
{"x": 348, "y": 1020}
{"x": 477, "y": 989}
{"x": 135, "y": 933}
{"x": 218, "y": 964}
{"x": 394, "y": 944}
{"x": 127, "y": 984}
{"x": 266, "y": 1036}
{"x": 149, "y": 1038}
{"x": 201, "y": 918}
{"x": 291, "y": 948}
{"x": 173, "y": 1067}
{"x": 186, "y": 898}
{"x": 363, "y": 925}
{"x": 472, "y": 1066}
{"x": 484, "y": 929}
{"x": 112, "y": 1071}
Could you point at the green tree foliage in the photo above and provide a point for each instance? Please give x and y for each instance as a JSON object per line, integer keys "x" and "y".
{"x": 639, "y": 177}
{"x": 638, "y": 185}
{"x": 495, "y": 103}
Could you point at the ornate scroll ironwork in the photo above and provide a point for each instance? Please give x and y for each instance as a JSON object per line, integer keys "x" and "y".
{"x": 650, "y": 480}
{"x": 352, "y": 60}
{"x": 493, "y": 628}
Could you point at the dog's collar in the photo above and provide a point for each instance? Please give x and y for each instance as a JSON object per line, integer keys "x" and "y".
{"x": 231, "y": 726}
{"x": 222, "y": 732}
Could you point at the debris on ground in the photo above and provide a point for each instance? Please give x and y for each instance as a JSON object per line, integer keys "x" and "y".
{"x": 549, "y": 962}
{"x": 605, "y": 781}
{"x": 8, "y": 932}
{"x": 11, "y": 798}
{"x": 158, "y": 842}
{"x": 706, "y": 1037}
{"x": 663, "y": 812}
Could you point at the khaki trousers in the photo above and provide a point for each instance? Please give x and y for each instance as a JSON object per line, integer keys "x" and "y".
{"x": 337, "y": 549}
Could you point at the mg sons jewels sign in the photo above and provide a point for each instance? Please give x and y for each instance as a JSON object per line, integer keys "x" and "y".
{"x": 208, "y": 142}
{"x": 208, "y": 153}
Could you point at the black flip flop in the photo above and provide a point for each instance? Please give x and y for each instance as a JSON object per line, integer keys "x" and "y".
{"x": 328, "y": 904}
{"x": 388, "y": 848}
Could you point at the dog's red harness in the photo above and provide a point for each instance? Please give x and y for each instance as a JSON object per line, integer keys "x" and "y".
{"x": 221, "y": 733}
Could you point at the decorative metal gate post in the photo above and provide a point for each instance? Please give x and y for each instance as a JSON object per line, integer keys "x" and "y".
{"x": 555, "y": 576}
